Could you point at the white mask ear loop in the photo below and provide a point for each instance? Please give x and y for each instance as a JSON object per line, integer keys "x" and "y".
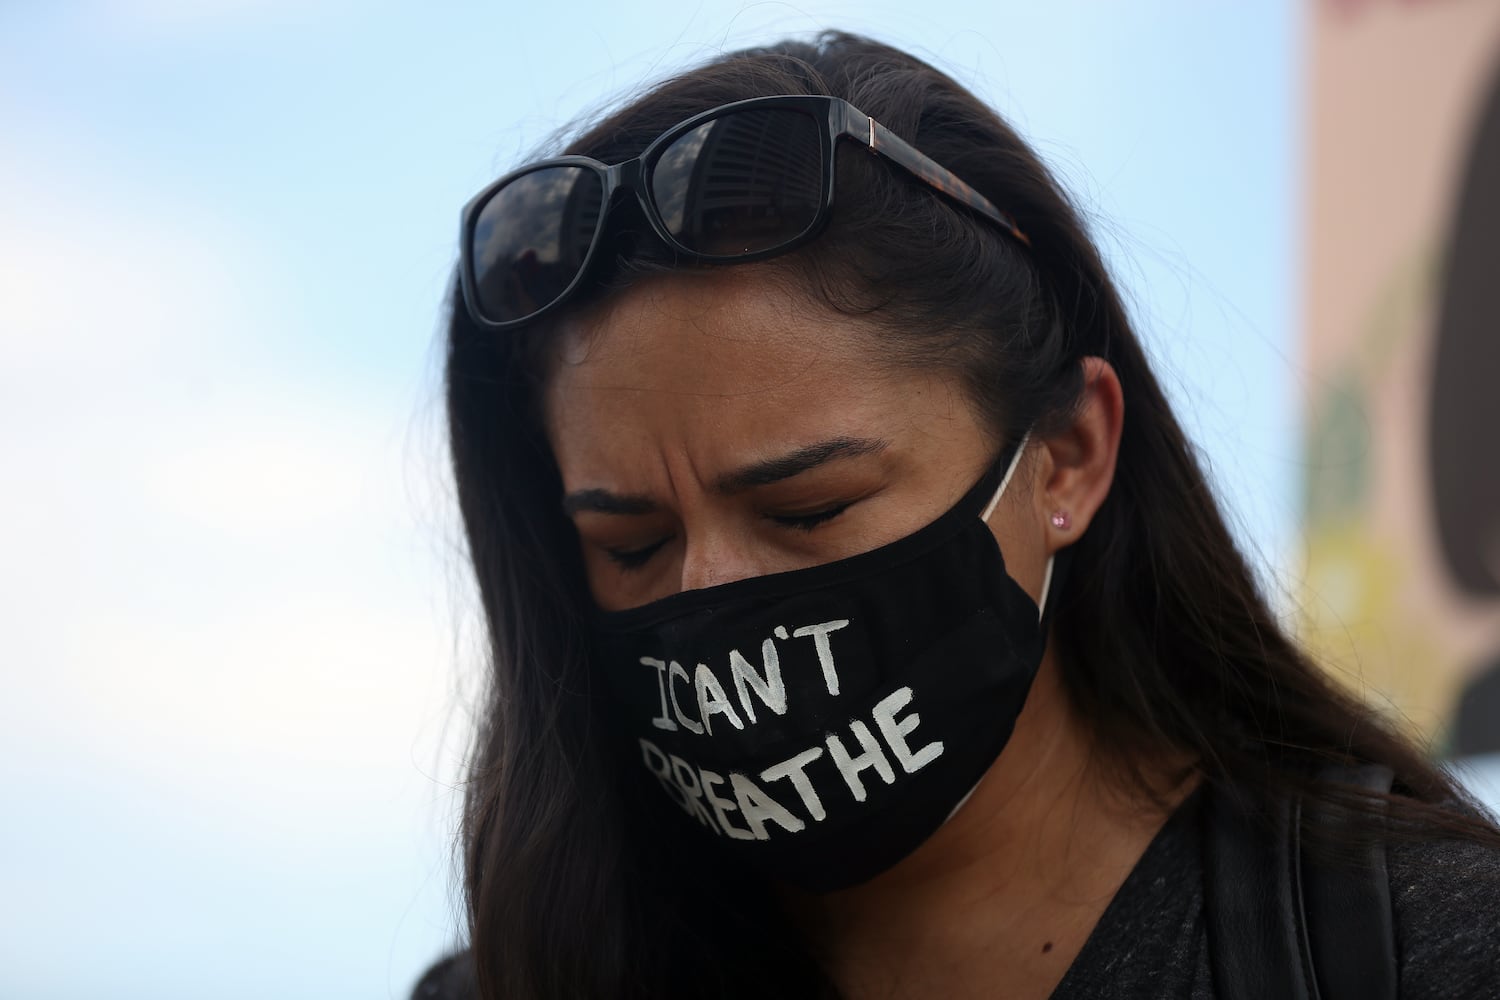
{"x": 1010, "y": 470}
{"x": 989, "y": 509}
{"x": 1041, "y": 608}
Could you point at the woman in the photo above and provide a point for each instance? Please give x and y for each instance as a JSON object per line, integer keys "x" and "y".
{"x": 861, "y": 622}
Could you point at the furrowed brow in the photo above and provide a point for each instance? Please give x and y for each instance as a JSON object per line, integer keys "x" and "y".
{"x": 774, "y": 470}
{"x": 605, "y": 502}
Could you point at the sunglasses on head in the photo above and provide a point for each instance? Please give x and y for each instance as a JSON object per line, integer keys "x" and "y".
{"x": 741, "y": 182}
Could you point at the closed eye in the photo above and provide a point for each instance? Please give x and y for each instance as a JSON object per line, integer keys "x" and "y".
{"x": 807, "y": 522}
{"x": 635, "y": 558}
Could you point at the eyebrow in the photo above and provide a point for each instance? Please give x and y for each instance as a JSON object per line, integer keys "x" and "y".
{"x": 762, "y": 473}
{"x": 605, "y": 502}
{"x": 794, "y": 463}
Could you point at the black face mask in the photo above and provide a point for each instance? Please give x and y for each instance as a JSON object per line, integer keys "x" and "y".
{"x": 822, "y": 723}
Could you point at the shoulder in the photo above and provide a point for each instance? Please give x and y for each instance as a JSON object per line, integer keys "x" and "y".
{"x": 1446, "y": 900}
{"x": 452, "y": 978}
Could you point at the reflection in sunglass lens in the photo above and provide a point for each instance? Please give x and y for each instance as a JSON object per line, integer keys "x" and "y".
{"x": 748, "y": 181}
{"x": 532, "y": 238}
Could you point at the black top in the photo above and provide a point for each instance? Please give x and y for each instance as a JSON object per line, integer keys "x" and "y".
{"x": 1152, "y": 940}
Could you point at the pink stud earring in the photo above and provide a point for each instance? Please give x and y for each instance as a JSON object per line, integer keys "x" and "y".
{"x": 1061, "y": 520}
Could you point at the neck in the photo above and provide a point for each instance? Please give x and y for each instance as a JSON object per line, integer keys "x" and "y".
{"x": 1007, "y": 890}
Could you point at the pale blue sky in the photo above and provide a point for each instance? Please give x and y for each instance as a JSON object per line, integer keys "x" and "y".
{"x": 236, "y": 627}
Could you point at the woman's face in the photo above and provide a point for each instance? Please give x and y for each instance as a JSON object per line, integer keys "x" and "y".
{"x": 714, "y": 426}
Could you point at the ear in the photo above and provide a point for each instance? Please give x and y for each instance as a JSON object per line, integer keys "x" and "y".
{"x": 1077, "y": 463}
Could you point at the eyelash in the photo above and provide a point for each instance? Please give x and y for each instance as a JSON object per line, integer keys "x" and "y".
{"x": 807, "y": 522}
{"x": 635, "y": 558}
{"x": 632, "y": 559}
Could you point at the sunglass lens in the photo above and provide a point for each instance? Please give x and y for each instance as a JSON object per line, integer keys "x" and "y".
{"x": 532, "y": 239}
{"x": 745, "y": 182}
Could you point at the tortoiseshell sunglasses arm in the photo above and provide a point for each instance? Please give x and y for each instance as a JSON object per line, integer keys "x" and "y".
{"x": 896, "y": 149}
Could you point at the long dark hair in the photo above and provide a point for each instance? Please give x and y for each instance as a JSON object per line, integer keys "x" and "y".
{"x": 1168, "y": 649}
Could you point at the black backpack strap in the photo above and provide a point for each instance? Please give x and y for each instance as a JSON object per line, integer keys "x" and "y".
{"x": 1285, "y": 923}
{"x": 1254, "y": 926}
{"x": 1351, "y": 930}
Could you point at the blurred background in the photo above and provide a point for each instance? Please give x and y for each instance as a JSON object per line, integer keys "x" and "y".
{"x": 239, "y": 643}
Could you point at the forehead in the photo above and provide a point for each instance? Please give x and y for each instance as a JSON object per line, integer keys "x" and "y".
{"x": 730, "y": 329}
{"x": 729, "y": 356}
